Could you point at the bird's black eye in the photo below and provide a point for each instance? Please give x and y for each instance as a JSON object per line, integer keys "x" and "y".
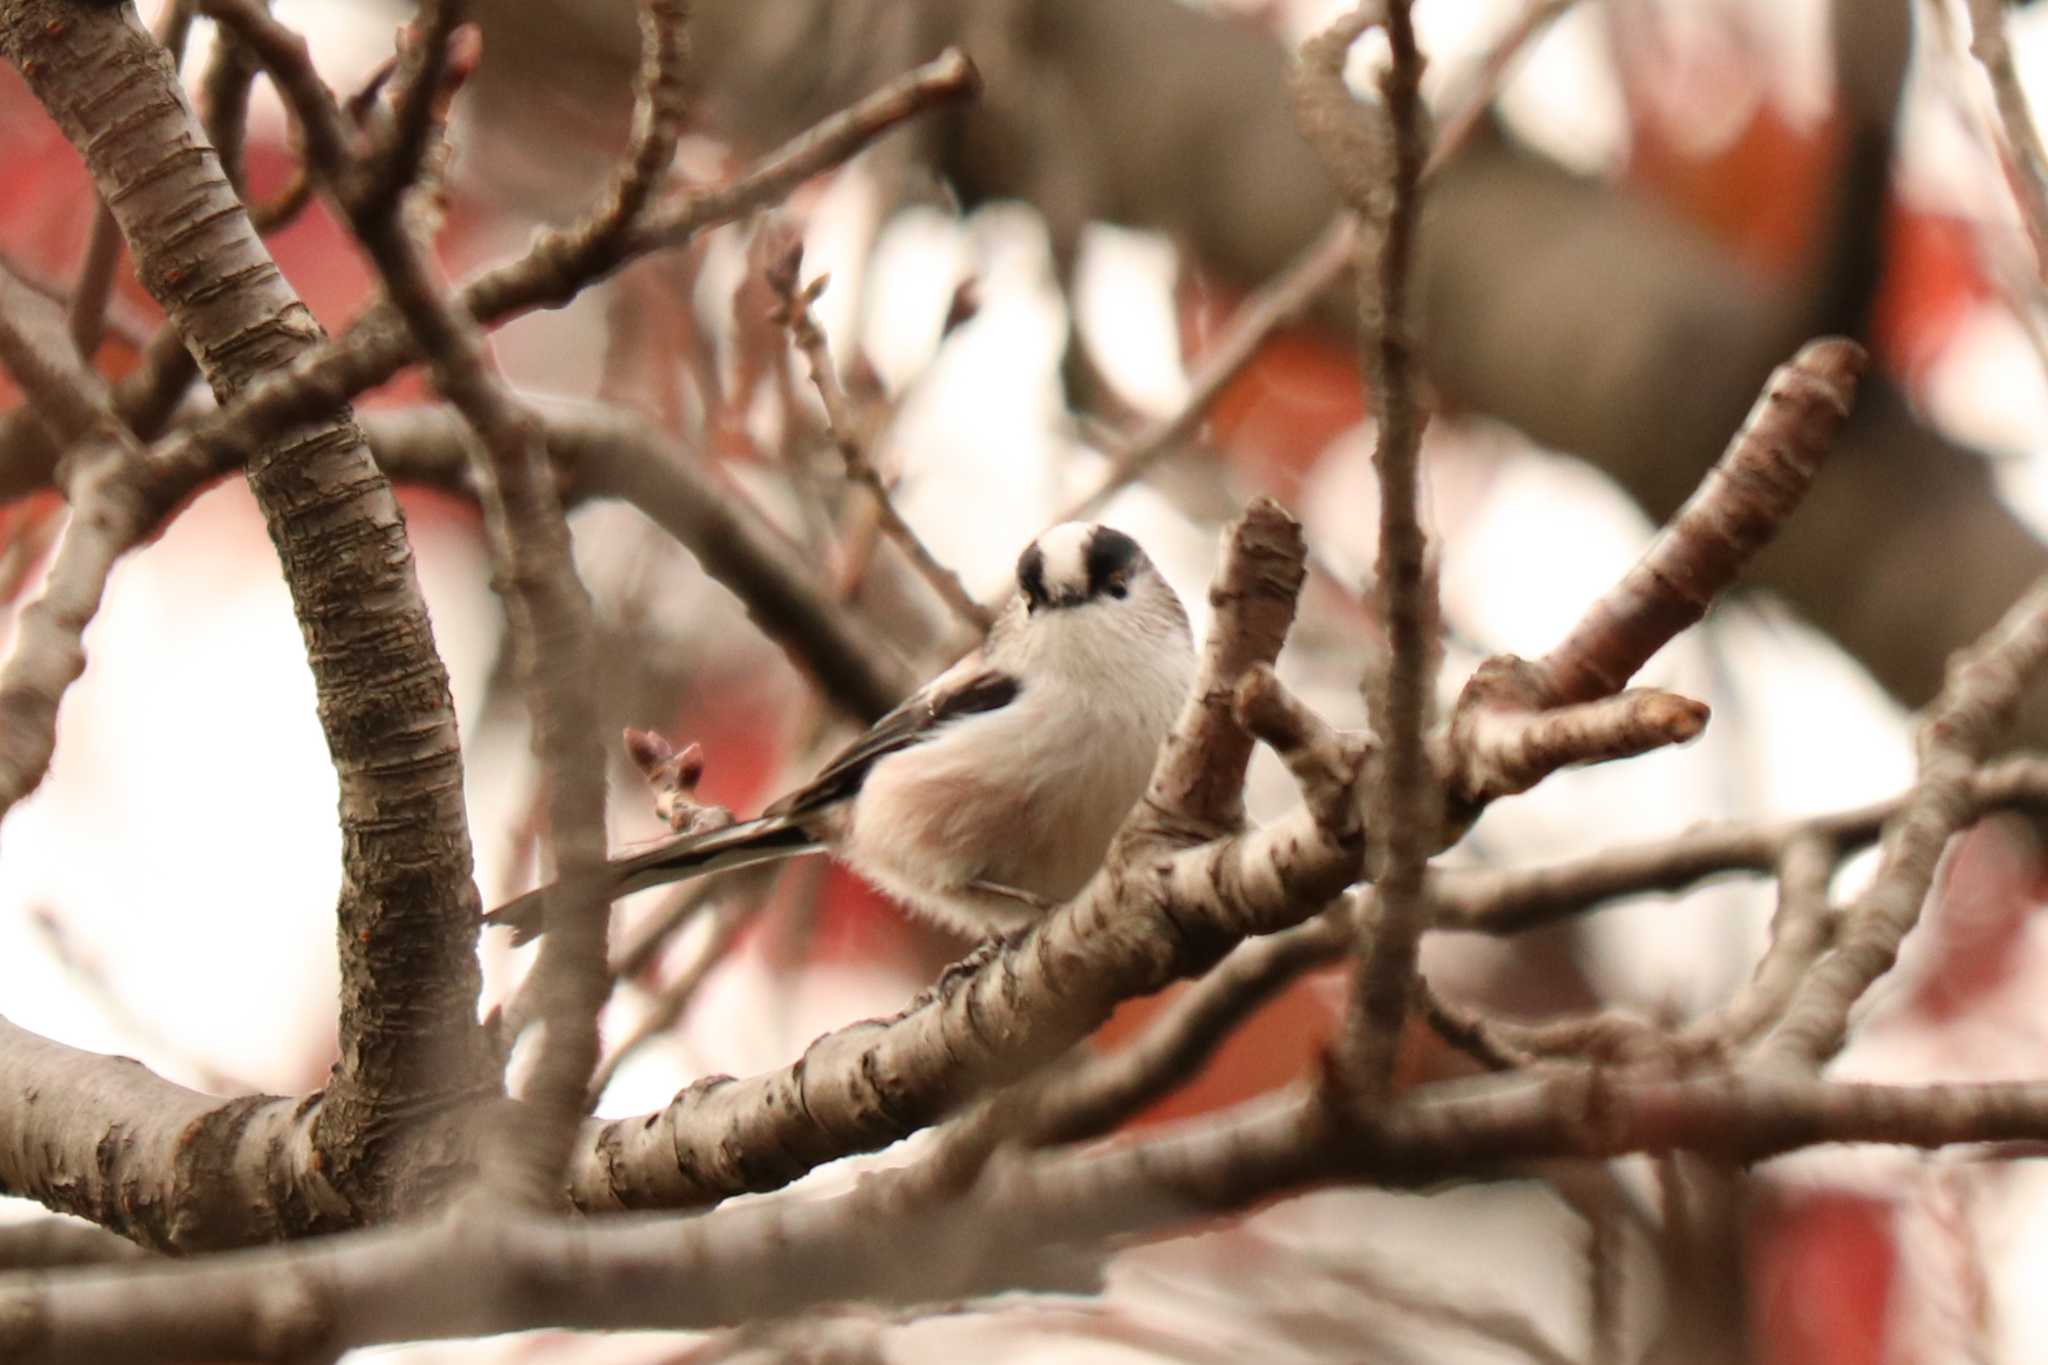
{"x": 1117, "y": 589}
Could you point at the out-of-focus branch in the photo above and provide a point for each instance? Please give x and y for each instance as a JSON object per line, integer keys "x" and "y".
{"x": 847, "y": 434}
{"x": 2026, "y": 163}
{"x": 1514, "y": 900}
{"x": 1288, "y": 294}
{"x": 614, "y": 453}
{"x": 107, "y": 514}
{"x": 50, "y": 1243}
{"x": 1972, "y": 713}
{"x": 1802, "y": 928}
{"x": 1094, "y": 1099}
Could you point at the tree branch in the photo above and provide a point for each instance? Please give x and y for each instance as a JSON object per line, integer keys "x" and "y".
{"x": 407, "y": 914}
{"x": 1405, "y": 807}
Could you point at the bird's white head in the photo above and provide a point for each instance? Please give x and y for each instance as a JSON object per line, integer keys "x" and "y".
{"x": 1079, "y": 563}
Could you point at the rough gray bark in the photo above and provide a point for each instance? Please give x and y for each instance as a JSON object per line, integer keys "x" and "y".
{"x": 408, "y": 911}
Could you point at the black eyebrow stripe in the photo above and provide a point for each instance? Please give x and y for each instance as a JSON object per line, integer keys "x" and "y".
{"x": 1110, "y": 554}
{"x": 1031, "y": 573}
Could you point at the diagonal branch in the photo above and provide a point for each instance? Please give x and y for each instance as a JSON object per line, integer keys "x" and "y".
{"x": 1971, "y": 714}
{"x": 794, "y": 305}
{"x": 107, "y": 515}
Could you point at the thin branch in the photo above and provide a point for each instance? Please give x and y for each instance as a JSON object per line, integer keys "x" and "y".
{"x": 1405, "y": 807}
{"x": 1469, "y": 1032}
{"x": 2025, "y": 161}
{"x": 108, "y": 513}
{"x": 610, "y": 452}
{"x": 560, "y": 265}
{"x": 1975, "y": 707}
{"x": 1802, "y": 928}
{"x": 1174, "y": 1047}
{"x": 1273, "y": 305}
{"x": 95, "y": 283}
{"x": 1515, "y": 900}
{"x": 1288, "y": 294}
{"x": 849, "y": 436}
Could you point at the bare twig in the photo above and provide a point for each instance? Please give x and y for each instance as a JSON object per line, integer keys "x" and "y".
{"x": 849, "y": 436}
{"x": 1735, "y": 512}
{"x": 726, "y": 923}
{"x": 1273, "y": 305}
{"x": 107, "y": 514}
{"x": 1405, "y": 808}
{"x": 560, "y": 264}
{"x": 1513, "y": 900}
{"x": 2020, "y": 150}
{"x": 1092, "y": 1100}
{"x": 1801, "y": 930}
{"x": 1288, "y": 294}
{"x": 1972, "y": 712}
{"x": 612, "y": 453}
{"x": 1469, "y": 1032}
{"x": 95, "y": 283}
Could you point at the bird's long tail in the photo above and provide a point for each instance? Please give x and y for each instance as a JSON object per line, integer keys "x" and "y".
{"x": 692, "y": 855}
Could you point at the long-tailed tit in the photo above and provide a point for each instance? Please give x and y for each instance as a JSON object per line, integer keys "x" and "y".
{"x": 991, "y": 794}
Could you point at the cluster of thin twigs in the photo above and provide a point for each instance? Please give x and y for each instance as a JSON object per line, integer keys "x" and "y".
{"x": 1189, "y": 892}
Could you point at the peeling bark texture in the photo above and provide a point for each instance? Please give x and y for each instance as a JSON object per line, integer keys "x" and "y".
{"x": 1737, "y": 510}
{"x": 772, "y": 1258}
{"x": 1197, "y": 789}
{"x": 408, "y": 910}
{"x": 168, "y": 1168}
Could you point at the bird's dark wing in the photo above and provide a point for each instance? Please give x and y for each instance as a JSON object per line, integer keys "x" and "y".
{"x": 915, "y": 721}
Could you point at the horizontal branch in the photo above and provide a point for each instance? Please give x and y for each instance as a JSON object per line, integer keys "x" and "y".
{"x": 488, "y": 1274}
{"x": 1513, "y": 900}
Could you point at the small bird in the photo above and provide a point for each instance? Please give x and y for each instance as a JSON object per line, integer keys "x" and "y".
{"x": 991, "y": 795}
